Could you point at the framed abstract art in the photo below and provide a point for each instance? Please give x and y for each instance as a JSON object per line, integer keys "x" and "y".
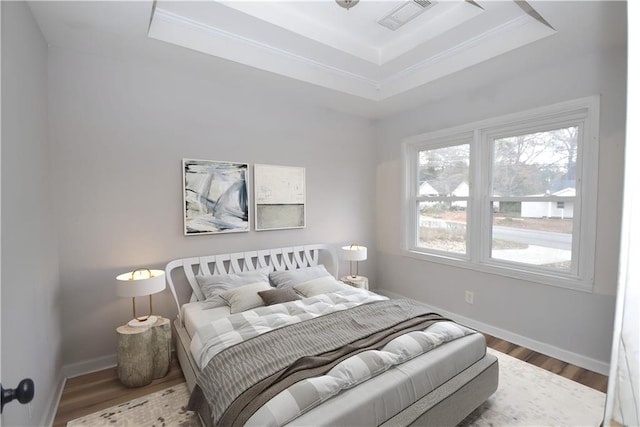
{"x": 215, "y": 197}
{"x": 279, "y": 197}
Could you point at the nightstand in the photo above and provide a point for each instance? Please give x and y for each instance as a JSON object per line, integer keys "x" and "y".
{"x": 144, "y": 353}
{"x": 357, "y": 282}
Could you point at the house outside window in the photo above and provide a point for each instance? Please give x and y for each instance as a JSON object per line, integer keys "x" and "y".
{"x": 514, "y": 195}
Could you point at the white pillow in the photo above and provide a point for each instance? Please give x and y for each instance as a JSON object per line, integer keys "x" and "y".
{"x": 213, "y": 286}
{"x": 290, "y": 278}
{"x": 321, "y": 285}
{"x": 245, "y": 297}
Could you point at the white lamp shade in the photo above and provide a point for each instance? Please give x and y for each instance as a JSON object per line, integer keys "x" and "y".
{"x": 354, "y": 253}
{"x": 140, "y": 283}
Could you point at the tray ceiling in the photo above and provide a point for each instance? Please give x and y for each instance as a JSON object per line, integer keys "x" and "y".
{"x": 469, "y": 51}
{"x": 348, "y": 50}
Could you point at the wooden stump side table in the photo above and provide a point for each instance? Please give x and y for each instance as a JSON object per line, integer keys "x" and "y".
{"x": 144, "y": 353}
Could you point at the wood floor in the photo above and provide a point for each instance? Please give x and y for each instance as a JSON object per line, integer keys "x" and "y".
{"x": 99, "y": 390}
{"x": 93, "y": 392}
{"x": 575, "y": 373}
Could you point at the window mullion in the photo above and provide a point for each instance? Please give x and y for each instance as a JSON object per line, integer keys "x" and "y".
{"x": 487, "y": 196}
{"x": 475, "y": 192}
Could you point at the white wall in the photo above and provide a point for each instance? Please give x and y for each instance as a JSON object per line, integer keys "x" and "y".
{"x": 119, "y": 129}
{"x": 570, "y": 324}
{"x": 31, "y": 337}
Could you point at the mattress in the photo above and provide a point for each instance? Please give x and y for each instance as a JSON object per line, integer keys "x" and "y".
{"x": 196, "y": 314}
{"x": 386, "y": 394}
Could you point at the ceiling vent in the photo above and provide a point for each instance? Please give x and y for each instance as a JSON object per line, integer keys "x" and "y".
{"x": 404, "y": 13}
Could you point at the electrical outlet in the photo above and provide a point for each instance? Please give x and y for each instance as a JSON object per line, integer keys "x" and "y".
{"x": 468, "y": 297}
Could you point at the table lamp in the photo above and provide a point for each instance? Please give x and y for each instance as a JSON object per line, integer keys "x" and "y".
{"x": 353, "y": 253}
{"x": 138, "y": 283}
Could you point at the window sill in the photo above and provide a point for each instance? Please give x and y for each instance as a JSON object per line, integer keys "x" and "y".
{"x": 572, "y": 283}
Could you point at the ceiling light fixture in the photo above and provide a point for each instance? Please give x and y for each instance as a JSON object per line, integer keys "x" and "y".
{"x": 404, "y": 13}
{"x": 347, "y": 4}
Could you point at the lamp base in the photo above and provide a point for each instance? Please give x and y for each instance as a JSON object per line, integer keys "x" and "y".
{"x": 135, "y": 323}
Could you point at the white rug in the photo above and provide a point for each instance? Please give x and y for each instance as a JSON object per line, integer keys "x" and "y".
{"x": 531, "y": 396}
{"x": 526, "y": 396}
{"x": 162, "y": 408}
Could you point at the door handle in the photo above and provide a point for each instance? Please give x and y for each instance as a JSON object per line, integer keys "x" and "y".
{"x": 24, "y": 393}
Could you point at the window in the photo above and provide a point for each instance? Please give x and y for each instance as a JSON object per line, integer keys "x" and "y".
{"x": 443, "y": 194}
{"x": 515, "y": 195}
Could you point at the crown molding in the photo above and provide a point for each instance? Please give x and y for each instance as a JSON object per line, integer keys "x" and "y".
{"x": 208, "y": 31}
{"x": 183, "y": 31}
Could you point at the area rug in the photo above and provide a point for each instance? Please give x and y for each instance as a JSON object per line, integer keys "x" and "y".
{"x": 526, "y": 396}
{"x": 162, "y": 408}
{"x": 531, "y": 396}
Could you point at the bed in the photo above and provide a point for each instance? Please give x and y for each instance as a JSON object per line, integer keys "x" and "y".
{"x": 313, "y": 351}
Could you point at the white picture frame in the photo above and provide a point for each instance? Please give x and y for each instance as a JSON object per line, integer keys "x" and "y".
{"x": 279, "y": 197}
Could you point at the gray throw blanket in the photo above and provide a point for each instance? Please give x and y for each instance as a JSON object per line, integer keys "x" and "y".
{"x": 241, "y": 378}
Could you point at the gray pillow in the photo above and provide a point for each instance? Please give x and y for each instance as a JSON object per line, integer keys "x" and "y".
{"x": 290, "y": 278}
{"x": 321, "y": 285}
{"x": 244, "y": 297}
{"x": 213, "y": 286}
{"x": 278, "y": 296}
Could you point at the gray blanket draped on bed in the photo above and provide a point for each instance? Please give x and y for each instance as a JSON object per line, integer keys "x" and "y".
{"x": 241, "y": 378}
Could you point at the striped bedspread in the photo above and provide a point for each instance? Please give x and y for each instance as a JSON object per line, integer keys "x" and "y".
{"x": 307, "y": 356}
{"x": 306, "y": 394}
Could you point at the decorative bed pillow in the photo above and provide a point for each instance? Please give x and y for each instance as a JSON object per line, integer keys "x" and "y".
{"x": 213, "y": 286}
{"x": 245, "y": 297}
{"x": 321, "y": 285}
{"x": 290, "y": 278}
{"x": 277, "y": 296}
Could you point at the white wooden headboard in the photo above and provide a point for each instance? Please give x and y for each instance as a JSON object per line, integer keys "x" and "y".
{"x": 278, "y": 259}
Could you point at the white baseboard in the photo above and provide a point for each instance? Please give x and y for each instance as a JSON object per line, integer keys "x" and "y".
{"x": 88, "y": 366}
{"x": 51, "y": 409}
{"x": 70, "y": 371}
{"x": 546, "y": 349}
{"x": 92, "y": 365}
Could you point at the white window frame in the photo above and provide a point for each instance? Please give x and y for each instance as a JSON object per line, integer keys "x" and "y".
{"x": 435, "y": 143}
{"x": 584, "y": 112}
